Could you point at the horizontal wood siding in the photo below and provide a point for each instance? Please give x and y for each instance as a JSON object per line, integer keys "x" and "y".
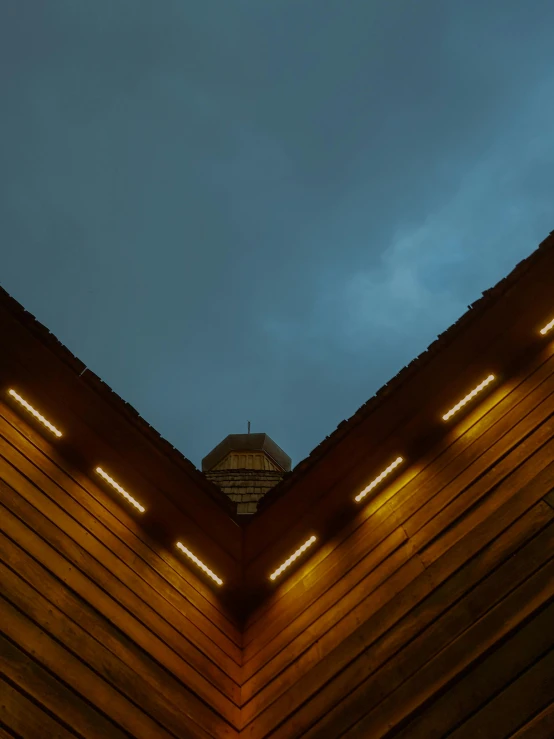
{"x": 430, "y": 611}
{"x": 539, "y": 726}
{"x": 102, "y": 630}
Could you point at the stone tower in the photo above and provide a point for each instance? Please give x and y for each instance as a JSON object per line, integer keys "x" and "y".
{"x": 245, "y": 467}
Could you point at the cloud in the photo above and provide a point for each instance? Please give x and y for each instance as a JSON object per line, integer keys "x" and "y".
{"x": 264, "y": 210}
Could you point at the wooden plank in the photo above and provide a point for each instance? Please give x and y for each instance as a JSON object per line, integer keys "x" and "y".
{"x": 549, "y": 498}
{"x": 176, "y": 504}
{"x": 87, "y": 401}
{"x": 118, "y": 519}
{"x": 380, "y": 614}
{"x": 30, "y": 678}
{"x": 67, "y": 570}
{"x": 425, "y": 630}
{"x": 49, "y": 459}
{"x": 429, "y": 525}
{"x": 478, "y": 501}
{"x": 540, "y": 726}
{"x": 348, "y": 587}
{"x": 523, "y": 395}
{"x": 529, "y": 693}
{"x": 116, "y": 578}
{"x": 445, "y": 672}
{"x": 282, "y": 686}
{"x": 438, "y": 620}
{"x": 74, "y": 499}
{"x": 332, "y": 611}
{"x": 387, "y": 559}
{"x": 433, "y": 474}
{"x": 64, "y": 455}
{"x": 110, "y": 685}
{"x": 175, "y": 687}
{"x": 26, "y": 719}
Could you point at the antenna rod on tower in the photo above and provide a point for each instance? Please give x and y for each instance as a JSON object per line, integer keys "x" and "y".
{"x": 248, "y": 426}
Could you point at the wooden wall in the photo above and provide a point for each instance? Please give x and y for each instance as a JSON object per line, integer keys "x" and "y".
{"x": 103, "y": 632}
{"x": 431, "y": 614}
{"x": 428, "y": 615}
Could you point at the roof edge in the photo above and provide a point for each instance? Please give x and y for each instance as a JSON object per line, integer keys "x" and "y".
{"x": 475, "y": 309}
{"x": 97, "y": 385}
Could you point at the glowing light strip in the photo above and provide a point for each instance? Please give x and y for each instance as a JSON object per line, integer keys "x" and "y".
{"x": 291, "y": 559}
{"x": 35, "y": 413}
{"x": 468, "y": 397}
{"x": 200, "y": 564}
{"x": 120, "y": 490}
{"x": 378, "y": 479}
{"x": 547, "y": 328}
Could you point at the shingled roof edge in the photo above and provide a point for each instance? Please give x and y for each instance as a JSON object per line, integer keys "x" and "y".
{"x": 477, "y": 308}
{"x": 52, "y": 343}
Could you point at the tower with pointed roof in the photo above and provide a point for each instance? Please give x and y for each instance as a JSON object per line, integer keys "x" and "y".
{"x": 246, "y": 467}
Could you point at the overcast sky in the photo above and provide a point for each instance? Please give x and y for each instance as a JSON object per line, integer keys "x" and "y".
{"x": 261, "y": 210}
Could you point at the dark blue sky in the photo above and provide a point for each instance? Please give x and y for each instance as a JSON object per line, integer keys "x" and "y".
{"x": 263, "y": 209}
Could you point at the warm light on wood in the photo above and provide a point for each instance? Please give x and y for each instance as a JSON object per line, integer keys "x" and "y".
{"x": 35, "y": 413}
{"x": 468, "y": 397}
{"x": 378, "y": 479}
{"x": 120, "y": 490}
{"x": 547, "y": 328}
{"x": 200, "y": 564}
{"x": 291, "y": 559}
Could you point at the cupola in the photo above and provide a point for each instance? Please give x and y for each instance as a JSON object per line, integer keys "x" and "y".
{"x": 246, "y": 467}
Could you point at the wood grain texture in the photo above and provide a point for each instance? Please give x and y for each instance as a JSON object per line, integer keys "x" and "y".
{"x": 540, "y": 726}
{"x": 85, "y": 627}
{"x": 4, "y": 734}
{"x": 25, "y": 719}
{"x": 122, "y": 544}
{"x": 95, "y": 574}
{"x": 445, "y": 462}
{"x": 56, "y": 697}
{"x": 427, "y": 525}
{"x": 530, "y": 688}
{"x": 444, "y": 536}
{"x": 440, "y": 618}
{"x": 66, "y": 664}
{"x": 78, "y": 476}
{"x": 59, "y": 540}
{"x": 463, "y": 666}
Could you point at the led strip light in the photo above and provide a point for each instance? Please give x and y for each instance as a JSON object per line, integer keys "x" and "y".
{"x": 200, "y": 564}
{"x": 120, "y": 490}
{"x": 291, "y": 559}
{"x": 468, "y": 397}
{"x": 378, "y": 479}
{"x": 35, "y": 413}
{"x": 547, "y": 328}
